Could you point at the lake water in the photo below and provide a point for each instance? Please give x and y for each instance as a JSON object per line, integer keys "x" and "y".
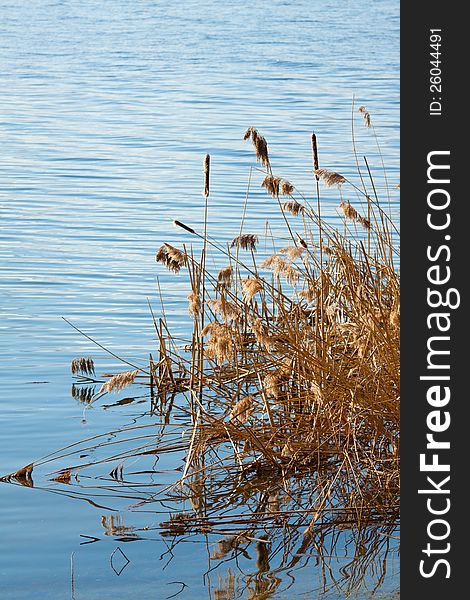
{"x": 106, "y": 111}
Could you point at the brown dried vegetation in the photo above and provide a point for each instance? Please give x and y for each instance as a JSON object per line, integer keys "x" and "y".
{"x": 289, "y": 397}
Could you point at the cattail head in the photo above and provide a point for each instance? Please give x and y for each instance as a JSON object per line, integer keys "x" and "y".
{"x": 315, "y": 155}
{"x": 330, "y": 178}
{"x": 171, "y": 257}
{"x": 183, "y": 226}
{"x": 247, "y": 241}
{"x": 207, "y": 160}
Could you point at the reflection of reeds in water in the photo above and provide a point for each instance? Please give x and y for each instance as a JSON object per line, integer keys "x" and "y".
{"x": 291, "y": 381}
{"x": 83, "y": 393}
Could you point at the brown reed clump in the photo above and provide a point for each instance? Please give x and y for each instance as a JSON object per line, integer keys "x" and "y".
{"x": 284, "y": 401}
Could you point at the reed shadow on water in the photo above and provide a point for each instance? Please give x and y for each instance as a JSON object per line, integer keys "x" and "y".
{"x": 283, "y": 403}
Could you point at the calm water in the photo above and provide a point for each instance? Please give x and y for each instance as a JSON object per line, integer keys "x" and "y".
{"x": 106, "y": 110}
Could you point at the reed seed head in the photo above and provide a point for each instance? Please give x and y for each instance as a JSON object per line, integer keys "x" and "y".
{"x": 247, "y": 241}
{"x": 271, "y": 184}
{"x": 250, "y": 288}
{"x": 194, "y": 306}
{"x": 242, "y": 410}
{"x": 119, "y": 382}
{"x": 225, "y": 278}
{"x": 171, "y": 257}
{"x": 260, "y": 144}
{"x": 330, "y": 178}
{"x": 287, "y": 189}
{"x": 366, "y": 116}
{"x": 228, "y": 310}
{"x": 351, "y": 213}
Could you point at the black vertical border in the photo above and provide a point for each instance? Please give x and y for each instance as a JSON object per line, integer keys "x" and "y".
{"x": 422, "y": 133}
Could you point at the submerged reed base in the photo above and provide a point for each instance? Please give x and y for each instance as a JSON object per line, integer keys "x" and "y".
{"x": 284, "y": 403}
